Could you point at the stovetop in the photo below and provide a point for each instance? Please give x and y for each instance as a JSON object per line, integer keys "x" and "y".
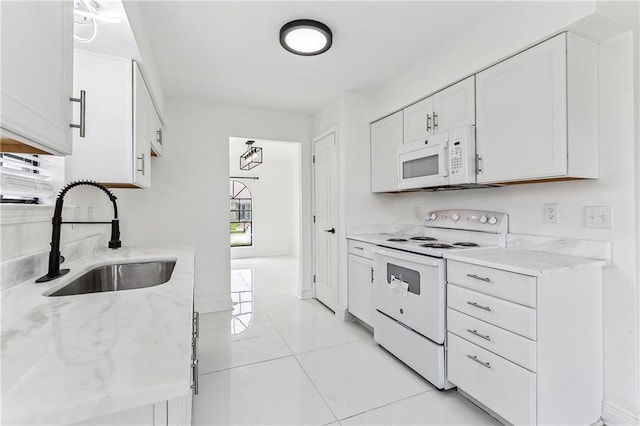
{"x": 450, "y": 231}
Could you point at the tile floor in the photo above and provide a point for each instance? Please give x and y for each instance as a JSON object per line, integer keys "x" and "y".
{"x": 279, "y": 360}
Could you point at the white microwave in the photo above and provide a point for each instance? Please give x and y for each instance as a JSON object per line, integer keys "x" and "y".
{"x": 444, "y": 159}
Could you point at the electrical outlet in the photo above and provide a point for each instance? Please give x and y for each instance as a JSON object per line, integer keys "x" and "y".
{"x": 417, "y": 213}
{"x": 551, "y": 213}
{"x": 598, "y": 217}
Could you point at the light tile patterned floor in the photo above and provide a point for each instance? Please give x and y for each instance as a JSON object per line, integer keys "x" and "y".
{"x": 279, "y": 360}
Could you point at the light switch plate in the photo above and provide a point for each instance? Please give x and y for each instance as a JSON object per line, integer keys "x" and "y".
{"x": 551, "y": 213}
{"x": 598, "y": 217}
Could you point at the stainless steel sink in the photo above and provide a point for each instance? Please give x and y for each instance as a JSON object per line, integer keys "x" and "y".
{"x": 121, "y": 276}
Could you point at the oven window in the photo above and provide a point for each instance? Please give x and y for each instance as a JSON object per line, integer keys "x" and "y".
{"x": 407, "y": 275}
{"x": 420, "y": 167}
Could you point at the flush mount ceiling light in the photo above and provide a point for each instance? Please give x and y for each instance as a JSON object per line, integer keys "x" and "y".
{"x": 252, "y": 157}
{"x": 306, "y": 37}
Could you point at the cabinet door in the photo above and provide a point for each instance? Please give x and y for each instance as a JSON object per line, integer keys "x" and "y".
{"x": 386, "y": 137}
{"x": 418, "y": 121}
{"x": 141, "y": 130}
{"x": 37, "y": 72}
{"x": 361, "y": 288}
{"x": 522, "y": 121}
{"x": 455, "y": 106}
{"x": 104, "y": 154}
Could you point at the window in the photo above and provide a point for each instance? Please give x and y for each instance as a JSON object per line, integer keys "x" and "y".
{"x": 25, "y": 179}
{"x": 240, "y": 225}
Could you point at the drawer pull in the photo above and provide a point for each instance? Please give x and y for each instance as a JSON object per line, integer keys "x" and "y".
{"x": 475, "y": 333}
{"x": 476, "y": 305}
{"x": 482, "y": 363}
{"x": 477, "y": 277}
{"x": 359, "y": 248}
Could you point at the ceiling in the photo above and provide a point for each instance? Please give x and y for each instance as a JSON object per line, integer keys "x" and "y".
{"x": 229, "y": 51}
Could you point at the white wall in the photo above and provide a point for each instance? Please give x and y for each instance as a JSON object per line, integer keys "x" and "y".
{"x": 519, "y": 25}
{"x": 275, "y": 198}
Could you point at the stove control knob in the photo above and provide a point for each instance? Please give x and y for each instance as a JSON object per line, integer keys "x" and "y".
{"x": 483, "y": 219}
{"x": 493, "y": 220}
{"x": 455, "y": 217}
{"x": 433, "y": 216}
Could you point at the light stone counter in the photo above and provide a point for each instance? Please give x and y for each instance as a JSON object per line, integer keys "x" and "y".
{"x": 70, "y": 358}
{"x": 526, "y": 262}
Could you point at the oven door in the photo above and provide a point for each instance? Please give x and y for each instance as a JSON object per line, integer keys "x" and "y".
{"x": 423, "y": 164}
{"x": 410, "y": 288}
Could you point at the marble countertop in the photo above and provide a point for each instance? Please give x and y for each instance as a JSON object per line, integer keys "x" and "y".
{"x": 526, "y": 262}
{"x": 70, "y": 358}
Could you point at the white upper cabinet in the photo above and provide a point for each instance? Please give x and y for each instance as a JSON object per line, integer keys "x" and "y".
{"x": 537, "y": 114}
{"x": 117, "y": 148}
{"x": 386, "y": 137}
{"x": 445, "y": 110}
{"x": 455, "y": 106}
{"x": 37, "y": 72}
{"x": 418, "y": 121}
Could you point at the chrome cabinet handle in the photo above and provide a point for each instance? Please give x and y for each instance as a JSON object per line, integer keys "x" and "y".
{"x": 428, "y": 122}
{"x": 474, "y": 304}
{"x": 482, "y": 363}
{"x": 477, "y": 277}
{"x": 371, "y": 274}
{"x": 435, "y": 121}
{"x": 159, "y": 136}
{"x": 475, "y": 333}
{"x": 196, "y": 324}
{"x": 141, "y": 157}
{"x": 194, "y": 375}
{"x": 478, "y": 167}
{"x": 359, "y": 248}
{"x": 83, "y": 105}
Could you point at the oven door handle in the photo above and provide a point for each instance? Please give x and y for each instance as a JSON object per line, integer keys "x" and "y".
{"x": 408, "y": 257}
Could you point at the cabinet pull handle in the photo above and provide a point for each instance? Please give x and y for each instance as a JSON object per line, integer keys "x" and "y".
{"x": 196, "y": 324}
{"x": 474, "y": 304}
{"x": 359, "y": 248}
{"x": 159, "y": 136}
{"x": 83, "y": 104}
{"x": 482, "y": 363}
{"x": 478, "y": 164}
{"x": 435, "y": 121}
{"x": 475, "y": 333}
{"x": 194, "y": 375}
{"x": 477, "y": 277}
{"x": 428, "y": 122}
{"x": 371, "y": 274}
{"x": 141, "y": 157}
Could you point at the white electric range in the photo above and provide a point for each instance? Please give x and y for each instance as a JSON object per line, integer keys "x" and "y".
{"x": 410, "y": 284}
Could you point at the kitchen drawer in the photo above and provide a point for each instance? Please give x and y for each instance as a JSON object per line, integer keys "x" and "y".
{"x": 418, "y": 352}
{"x": 509, "y": 345}
{"x": 361, "y": 249}
{"x": 506, "y": 285}
{"x": 507, "y": 315}
{"x": 501, "y": 385}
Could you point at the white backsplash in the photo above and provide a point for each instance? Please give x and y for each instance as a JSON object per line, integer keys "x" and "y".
{"x": 19, "y": 269}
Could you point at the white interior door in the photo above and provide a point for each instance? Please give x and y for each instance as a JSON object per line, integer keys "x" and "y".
{"x": 325, "y": 190}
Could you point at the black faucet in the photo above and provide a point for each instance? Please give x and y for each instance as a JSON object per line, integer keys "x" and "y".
{"x": 54, "y": 255}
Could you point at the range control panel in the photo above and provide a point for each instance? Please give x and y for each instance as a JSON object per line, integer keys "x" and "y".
{"x": 469, "y": 220}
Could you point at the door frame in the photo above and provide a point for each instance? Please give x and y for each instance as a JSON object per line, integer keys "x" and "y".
{"x": 334, "y": 130}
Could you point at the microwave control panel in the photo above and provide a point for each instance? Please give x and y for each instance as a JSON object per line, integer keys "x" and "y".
{"x": 462, "y": 155}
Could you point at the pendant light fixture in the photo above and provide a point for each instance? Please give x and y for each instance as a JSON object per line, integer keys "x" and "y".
{"x": 252, "y": 157}
{"x": 306, "y": 37}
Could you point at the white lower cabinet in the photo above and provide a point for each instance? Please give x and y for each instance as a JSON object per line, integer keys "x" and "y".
{"x": 360, "y": 281}
{"x": 535, "y": 361}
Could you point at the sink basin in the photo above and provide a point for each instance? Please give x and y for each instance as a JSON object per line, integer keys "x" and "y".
{"x": 121, "y": 276}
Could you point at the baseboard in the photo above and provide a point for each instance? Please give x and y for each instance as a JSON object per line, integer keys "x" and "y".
{"x": 206, "y": 303}
{"x": 613, "y": 415}
{"x": 305, "y": 294}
